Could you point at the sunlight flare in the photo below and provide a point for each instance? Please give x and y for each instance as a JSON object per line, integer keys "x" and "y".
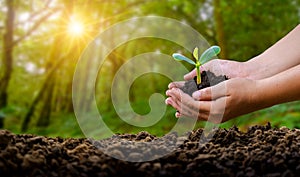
{"x": 75, "y": 27}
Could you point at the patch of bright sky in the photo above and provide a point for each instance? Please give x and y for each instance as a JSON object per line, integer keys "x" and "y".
{"x": 174, "y": 7}
{"x": 33, "y": 69}
{"x": 24, "y": 17}
{"x": 3, "y": 6}
{"x": 54, "y": 16}
{"x": 206, "y": 11}
{"x": 29, "y": 67}
{"x": 3, "y": 9}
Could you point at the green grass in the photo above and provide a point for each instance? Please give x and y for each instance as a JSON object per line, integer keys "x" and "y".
{"x": 287, "y": 114}
{"x": 66, "y": 125}
{"x": 61, "y": 126}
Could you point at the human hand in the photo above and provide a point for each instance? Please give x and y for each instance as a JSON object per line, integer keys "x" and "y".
{"x": 231, "y": 69}
{"x": 218, "y": 103}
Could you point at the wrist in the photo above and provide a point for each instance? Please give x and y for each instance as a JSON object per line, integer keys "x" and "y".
{"x": 240, "y": 69}
{"x": 258, "y": 98}
{"x": 265, "y": 95}
{"x": 251, "y": 69}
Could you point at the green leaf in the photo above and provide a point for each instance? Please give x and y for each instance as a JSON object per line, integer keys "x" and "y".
{"x": 195, "y": 53}
{"x": 209, "y": 54}
{"x": 180, "y": 57}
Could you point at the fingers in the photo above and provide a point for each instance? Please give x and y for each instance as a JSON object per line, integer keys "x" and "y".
{"x": 178, "y": 114}
{"x": 211, "y": 93}
{"x": 217, "y": 110}
{"x": 190, "y": 75}
{"x": 176, "y": 84}
{"x": 193, "y": 112}
{"x": 207, "y": 66}
{"x": 188, "y": 111}
{"x": 174, "y": 103}
{"x": 178, "y": 95}
{"x": 186, "y": 105}
{"x": 210, "y": 105}
{"x": 174, "y": 98}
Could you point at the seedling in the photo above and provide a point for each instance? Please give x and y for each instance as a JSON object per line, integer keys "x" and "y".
{"x": 205, "y": 57}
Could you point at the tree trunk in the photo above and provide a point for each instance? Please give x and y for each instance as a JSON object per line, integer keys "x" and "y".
{"x": 68, "y": 92}
{"x": 47, "y": 83}
{"x": 31, "y": 110}
{"x": 46, "y": 92}
{"x": 45, "y": 113}
{"x": 7, "y": 57}
{"x": 219, "y": 27}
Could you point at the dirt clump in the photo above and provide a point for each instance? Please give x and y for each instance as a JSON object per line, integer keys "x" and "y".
{"x": 207, "y": 79}
{"x": 261, "y": 151}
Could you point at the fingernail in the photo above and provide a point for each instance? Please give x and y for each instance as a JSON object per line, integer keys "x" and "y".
{"x": 167, "y": 92}
{"x": 166, "y": 101}
{"x": 196, "y": 95}
{"x": 185, "y": 76}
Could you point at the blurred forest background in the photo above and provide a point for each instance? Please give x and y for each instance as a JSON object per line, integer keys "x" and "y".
{"x": 41, "y": 41}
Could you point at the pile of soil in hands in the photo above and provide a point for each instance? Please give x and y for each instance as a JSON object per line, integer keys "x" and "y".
{"x": 207, "y": 79}
{"x": 261, "y": 151}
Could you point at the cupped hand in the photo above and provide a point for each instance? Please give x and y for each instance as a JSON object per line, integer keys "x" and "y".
{"x": 218, "y": 103}
{"x": 231, "y": 69}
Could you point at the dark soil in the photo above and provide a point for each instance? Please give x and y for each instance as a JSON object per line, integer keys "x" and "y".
{"x": 207, "y": 79}
{"x": 261, "y": 151}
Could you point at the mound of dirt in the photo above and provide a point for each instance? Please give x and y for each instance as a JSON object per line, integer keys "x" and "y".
{"x": 207, "y": 79}
{"x": 261, "y": 151}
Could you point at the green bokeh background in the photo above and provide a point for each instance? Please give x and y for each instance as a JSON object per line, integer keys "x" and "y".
{"x": 45, "y": 53}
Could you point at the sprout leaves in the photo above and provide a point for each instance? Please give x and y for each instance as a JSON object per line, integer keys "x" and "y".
{"x": 195, "y": 54}
{"x": 205, "y": 57}
{"x": 180, "y": 57}
{"x": 209, "y": 54}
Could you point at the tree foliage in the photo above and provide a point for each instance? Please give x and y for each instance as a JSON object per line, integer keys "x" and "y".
{"x": 39, "y": 53}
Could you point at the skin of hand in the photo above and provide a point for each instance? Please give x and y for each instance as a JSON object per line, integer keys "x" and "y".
{"x": 279, "y": 57}
{"x": 256, "y": 84}
{"x": 216, "y": 104}
{"x": 218, "y": 67}
{"x": 206, "y": 107}
{"x": 187, "y": 106}
{"x": 236, "y": 96}
{"x": 283, "y": 55}
{"x": 222, "y": 67}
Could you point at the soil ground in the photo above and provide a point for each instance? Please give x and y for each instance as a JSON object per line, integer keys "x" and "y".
{"x": 261, "y": 151}
{"x": 207, "y": 79}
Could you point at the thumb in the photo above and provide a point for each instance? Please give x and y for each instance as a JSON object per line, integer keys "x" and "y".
{"x": 211, "y": 93}
{"x": 190, "y": 75}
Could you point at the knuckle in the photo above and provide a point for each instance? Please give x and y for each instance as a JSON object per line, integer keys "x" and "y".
{"x": 206, "y": 92}
{"x": 202, "y": 116}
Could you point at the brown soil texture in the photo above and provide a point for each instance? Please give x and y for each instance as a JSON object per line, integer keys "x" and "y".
{"x": 207, "y": 79}
{"x": 261, "y": 151}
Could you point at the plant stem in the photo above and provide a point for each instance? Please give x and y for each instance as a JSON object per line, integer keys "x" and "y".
{"x": 198, "y": 74}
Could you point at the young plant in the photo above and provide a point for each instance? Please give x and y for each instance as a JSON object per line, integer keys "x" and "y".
{"x": 205, "y": 57}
